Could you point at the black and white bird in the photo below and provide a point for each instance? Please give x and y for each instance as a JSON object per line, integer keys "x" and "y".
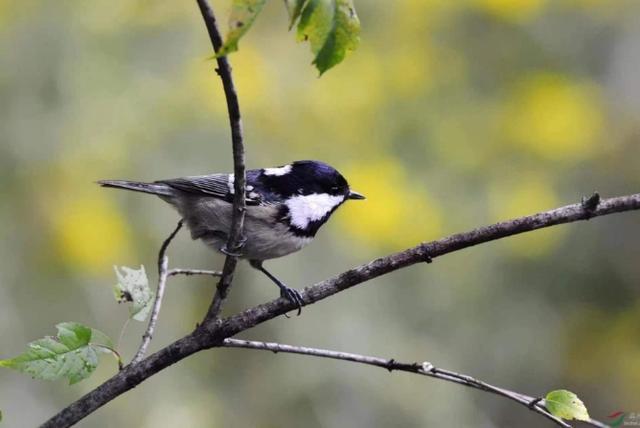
{"x": 286, "y": 206}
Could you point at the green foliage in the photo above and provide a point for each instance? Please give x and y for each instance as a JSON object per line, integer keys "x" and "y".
{"x": 72, "y": 354}
{"x": 133, "y": 287}
{"x": 243, "y": 13}
{"x": 566, "y": 405}
{"x": 294, "y": 8}
{"x": 332, "y": 28}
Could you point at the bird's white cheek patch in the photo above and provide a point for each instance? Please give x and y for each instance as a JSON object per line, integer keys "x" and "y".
{"x": 305, "y": 209}
{"x": 282, "y": 170}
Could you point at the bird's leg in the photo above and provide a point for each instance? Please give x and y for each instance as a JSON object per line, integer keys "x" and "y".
{"x": 290, "y": 294}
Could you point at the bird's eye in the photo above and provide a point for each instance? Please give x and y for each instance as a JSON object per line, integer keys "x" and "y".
{"x": 335, "y": 188}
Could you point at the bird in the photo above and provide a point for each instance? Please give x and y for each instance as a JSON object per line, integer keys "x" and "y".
{"x": 285, "y": 207}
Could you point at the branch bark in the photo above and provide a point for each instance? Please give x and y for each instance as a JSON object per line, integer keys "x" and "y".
{"x": 236, "y": 239}
{"x": 213, "y": 332}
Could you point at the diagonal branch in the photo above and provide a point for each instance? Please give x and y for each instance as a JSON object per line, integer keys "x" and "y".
{"x": 163, "y": 273}
{"x": 211, "y": 334}
{"x": 428, "y": 251}
{"x": 424, "y": 369}
{"x": 236, "y": 239}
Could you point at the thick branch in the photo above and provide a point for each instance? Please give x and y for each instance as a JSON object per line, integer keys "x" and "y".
{"x": 125, "y": 380}
{"x": 236, "y": 239}
{"x": 212, "y": 334}
{"x": 426, "y": 252}
{"x": 163, "y": 263}
{"x": 424, "y": 369}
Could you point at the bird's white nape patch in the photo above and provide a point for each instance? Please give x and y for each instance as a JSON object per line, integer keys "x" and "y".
{"x": 282, "y": 170}
{"x": 304, "y": 209}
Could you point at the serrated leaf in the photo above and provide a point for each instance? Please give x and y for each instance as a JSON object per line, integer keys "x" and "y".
{"x": 68, "y": 355}
{"x": 294, "y": 9}
{"x": 243, "y": 13}
{"x": 133, "y": 287}
{"x": 566, "y": 405}
{"x": 332, "y": 28}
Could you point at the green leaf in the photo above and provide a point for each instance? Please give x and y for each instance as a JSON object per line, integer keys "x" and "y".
{"x": 294, "y": 8}
{"x": 243, "y": 13}
{"x": 332, "y": 28}
{"x": 70, "y": 354}
{"x": 566, "y": 405}
{"x": 133, "y": 287}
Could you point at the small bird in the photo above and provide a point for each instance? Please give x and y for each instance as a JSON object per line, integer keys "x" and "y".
{"x": 286, "y": 206}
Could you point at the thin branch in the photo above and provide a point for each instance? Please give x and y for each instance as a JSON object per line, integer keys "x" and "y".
{"x": 236, "y": 239}
{"x": 424, "y": 369}
{"x": 211, "y": 334}
{"x": 163, "y": 263}
{"x": 191, "y": 272}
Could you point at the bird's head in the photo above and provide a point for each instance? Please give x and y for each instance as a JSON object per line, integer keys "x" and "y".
{"x": 307, "y": 177}
{"x": 312, "y": 190}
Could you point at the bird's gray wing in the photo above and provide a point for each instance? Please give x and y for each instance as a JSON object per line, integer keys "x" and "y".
{"x": 216, "y": 185}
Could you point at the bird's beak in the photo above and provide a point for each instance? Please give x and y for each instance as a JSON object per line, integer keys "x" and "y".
{"x": 355, "y": 195}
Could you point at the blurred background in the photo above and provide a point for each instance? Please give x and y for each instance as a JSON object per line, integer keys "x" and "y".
{"x": 450, "y": 115}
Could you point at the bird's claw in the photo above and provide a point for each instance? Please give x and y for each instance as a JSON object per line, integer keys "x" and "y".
{"x": 294, "y": 296}
{"x": 224, "y": 250}
{"x": 235, "y": 252}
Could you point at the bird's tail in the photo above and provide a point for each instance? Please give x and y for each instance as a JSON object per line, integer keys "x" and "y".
{"x": 152, "y": 188}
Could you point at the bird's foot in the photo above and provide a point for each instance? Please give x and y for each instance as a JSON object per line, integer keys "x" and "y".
{"x": 294, "y": 296}
{"x": 234, "y": 252}
{"x": 224, "y": 250}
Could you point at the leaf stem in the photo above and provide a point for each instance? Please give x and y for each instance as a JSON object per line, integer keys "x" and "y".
{"x": 122, "y": 330}
{"x": 113, "y": 352}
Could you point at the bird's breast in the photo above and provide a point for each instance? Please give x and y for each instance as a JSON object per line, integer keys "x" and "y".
{"x": 267, "y": 237}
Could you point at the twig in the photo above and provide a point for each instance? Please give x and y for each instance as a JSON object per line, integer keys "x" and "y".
{"x": 213, "y": 333}
{"x": 163, "y": 263}
{"x": 190, "y": 272}
{"x": 424, "y": 369}
{"x": 236, "y": 239}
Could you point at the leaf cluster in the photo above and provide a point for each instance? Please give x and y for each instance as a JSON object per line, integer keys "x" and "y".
{"x": 331, "y": 27}
{"x": 73, "y": 352}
